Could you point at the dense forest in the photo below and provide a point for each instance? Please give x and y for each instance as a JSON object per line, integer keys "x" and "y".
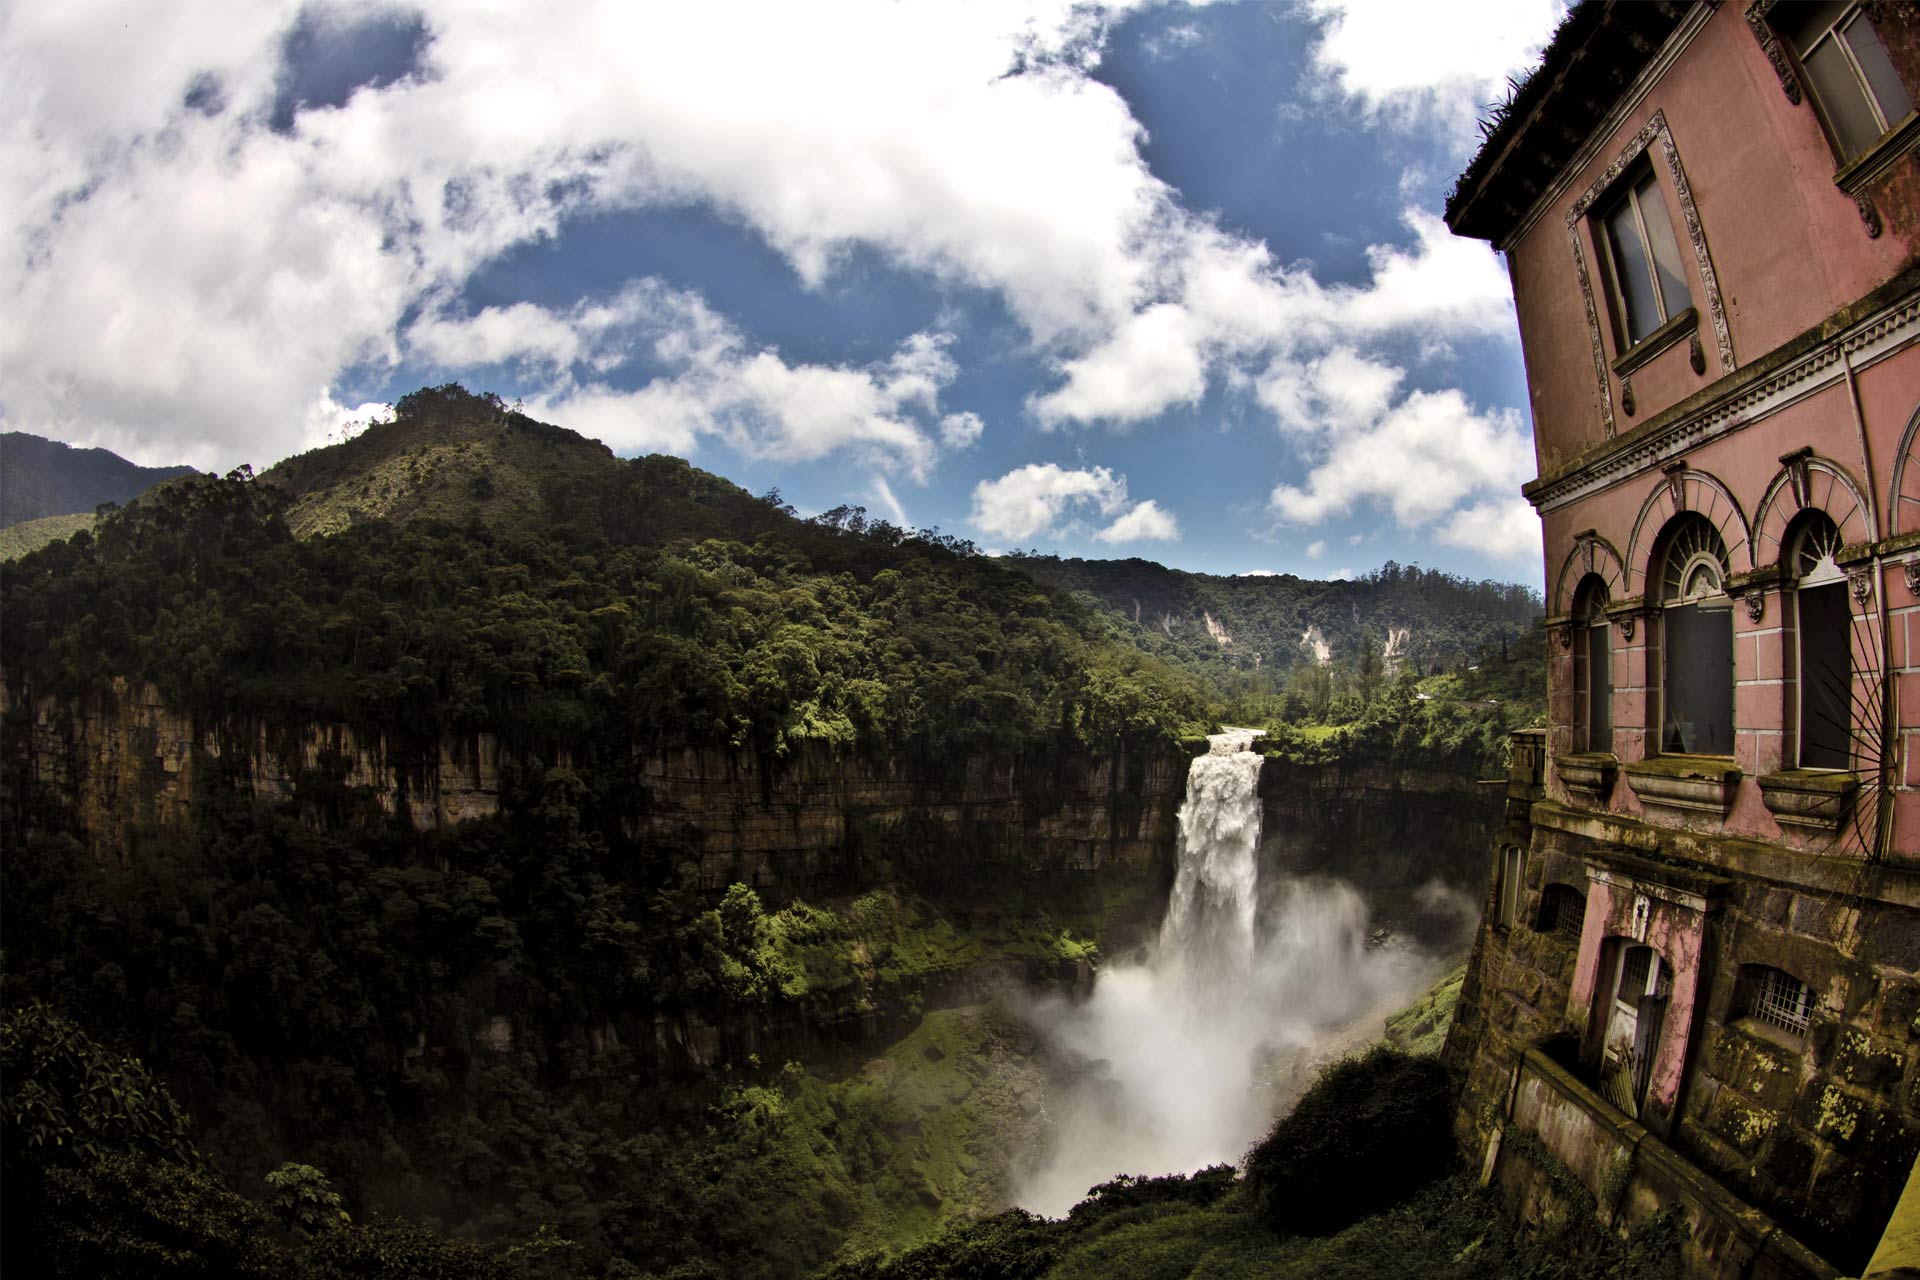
{"x": 305, "y": 978}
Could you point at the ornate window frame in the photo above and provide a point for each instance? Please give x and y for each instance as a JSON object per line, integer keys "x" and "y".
{"x": 1655, "y": 130}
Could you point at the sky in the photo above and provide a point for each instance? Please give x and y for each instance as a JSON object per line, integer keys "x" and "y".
{"x": 1134, "y": 279}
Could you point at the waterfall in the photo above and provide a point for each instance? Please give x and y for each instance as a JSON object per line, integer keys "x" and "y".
{"x": 1206, "y": 941}
{"x": 1177, "y": 1053}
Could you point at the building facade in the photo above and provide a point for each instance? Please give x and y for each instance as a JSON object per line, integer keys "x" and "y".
{"x": 1695, "y": 986}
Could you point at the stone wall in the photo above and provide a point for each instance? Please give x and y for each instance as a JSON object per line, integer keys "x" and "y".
{"x": 1817, "y": 1129}
{"x": 813, "y": 821}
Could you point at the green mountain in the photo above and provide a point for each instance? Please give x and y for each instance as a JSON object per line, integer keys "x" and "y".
{"x": 40, "y": 477}
{"x": 553, "y": 1028}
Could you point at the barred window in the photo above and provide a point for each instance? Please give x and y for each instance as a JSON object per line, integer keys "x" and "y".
{"x": 1776, "y": 997}
{"x": 1563, "y": 911}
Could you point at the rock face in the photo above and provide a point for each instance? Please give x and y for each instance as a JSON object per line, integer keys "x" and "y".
{"x": 810, "y": 821}
{"x": 1389, "y": 832}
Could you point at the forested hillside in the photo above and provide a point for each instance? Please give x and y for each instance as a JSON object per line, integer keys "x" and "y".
{"x": 485, "y": 570}
{"x": 539, "y": 1029}
{"x": 41, "y": 477}
{"x": 1277, "y": 645}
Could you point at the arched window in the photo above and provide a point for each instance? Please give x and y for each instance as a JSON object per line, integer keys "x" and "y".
{"x": 1563, "y": 911}
{"x": 1512, "y": 869}
{"x": 1823, "y": 634}
{"x": 1775, "y": 997}
{"x": 1592, "y": 668}
{"x": 1696, "y": 692}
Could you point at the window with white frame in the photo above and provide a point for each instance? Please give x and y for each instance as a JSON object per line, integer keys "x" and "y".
{"x": 1855, "y": 88}
{"x": 1696, "y": 618}
{"x": 1645, "y": 281}
{"x": 1823, "y": 635}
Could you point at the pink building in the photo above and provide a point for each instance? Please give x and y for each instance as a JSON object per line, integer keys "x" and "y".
{"x": 1696, "y": 983}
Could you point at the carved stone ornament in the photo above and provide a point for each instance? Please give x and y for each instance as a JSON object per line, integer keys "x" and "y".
{"x": 1696, "y": 357}
{"x": 1626, "y": 396}
{"x": 1586, "y": 547}
{"x": 1626, "y": 627}
{"x": 1756, "y": 605}
{"x": 1911, "y": 572}
{"x": 1677, "y": 484}
{"x": 1763, "y": 32}
{"x": 1566, "y": 636}
{"x": 1861, "y": 583}
{"x": 1869, "y": 216}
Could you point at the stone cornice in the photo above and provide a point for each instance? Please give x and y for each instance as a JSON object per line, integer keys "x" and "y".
{"x": 1884, "y": 322}
{"x": 1623, "y": 109}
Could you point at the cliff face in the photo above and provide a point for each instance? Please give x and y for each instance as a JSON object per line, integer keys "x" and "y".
{"x": 812, "y": 821}
{"x": 1389, "y": 832}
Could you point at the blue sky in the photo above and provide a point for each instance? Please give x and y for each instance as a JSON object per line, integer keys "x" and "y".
{"x": 1144, "y": 279}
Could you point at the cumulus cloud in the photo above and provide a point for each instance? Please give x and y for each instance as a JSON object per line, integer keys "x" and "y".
{"x": 961, "y": 430}
{"x": 1035, "y": 499}
{"x": 1424, "y": 460}
{"x": 1408, "y": 60}
{"x": 1316, "y": 548}
{"x": 194, "y": 249}
{"x": 1147, "y": 522}
{"x": 716, "y": 382}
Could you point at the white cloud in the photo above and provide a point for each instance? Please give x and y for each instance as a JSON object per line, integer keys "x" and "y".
{"x": 1504, "y": 528}
{"x": 1147, "y": 522}
{"x": 961, "y": 430}
{"x": 1316, "y": 548}
{"x": 1339, "y": 575}
{"x": 181, "y": 279}
{"x": 186, "y": 277}
{"x": 1259, "y": 573}
{"x": 1423, "y": 460}
{"x": 717, "y": 384}
{"x": 1030, "y": 500}
{"x": 883, "y": 494}
{"x": 1408, "y": 61}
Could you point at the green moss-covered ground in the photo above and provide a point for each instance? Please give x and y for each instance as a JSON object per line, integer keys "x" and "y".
{"x": 1421, "y": 1027}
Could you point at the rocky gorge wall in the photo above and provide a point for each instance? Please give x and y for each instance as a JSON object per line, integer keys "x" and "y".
{"x": 811, "y": 822}
{"x": 1389, "y": 832}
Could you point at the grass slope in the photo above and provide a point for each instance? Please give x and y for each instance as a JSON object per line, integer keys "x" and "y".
{"x": 17, "y": 540}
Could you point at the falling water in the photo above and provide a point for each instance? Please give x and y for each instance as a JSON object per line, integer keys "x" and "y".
{"x": 1173, "y": 1048}
{"x": 1207, "y": 936}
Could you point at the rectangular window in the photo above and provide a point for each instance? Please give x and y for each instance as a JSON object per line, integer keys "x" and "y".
{"x": 1854, "y": 85}
{"x": 1826, "y": 677}
{"x": 1599, "y": 666}
{"x": 1777, "y": 998}
{"x": 1699, "y": 684}
{"x": 1644, "y": 275}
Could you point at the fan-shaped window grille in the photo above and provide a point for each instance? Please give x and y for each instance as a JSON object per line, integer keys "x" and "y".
{"x": 1695, "y": 563}
{"x": 1823, "y": 621}
{"x": 1697, "y": 692}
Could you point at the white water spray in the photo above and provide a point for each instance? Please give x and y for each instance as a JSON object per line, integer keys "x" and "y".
{"x": 1179, "y": 1048}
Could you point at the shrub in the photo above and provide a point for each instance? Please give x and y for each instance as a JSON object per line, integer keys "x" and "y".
{"x": 1372, "y": 1130}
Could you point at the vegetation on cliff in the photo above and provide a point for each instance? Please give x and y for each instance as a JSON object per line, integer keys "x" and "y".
{"x": 634, "y": 602}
